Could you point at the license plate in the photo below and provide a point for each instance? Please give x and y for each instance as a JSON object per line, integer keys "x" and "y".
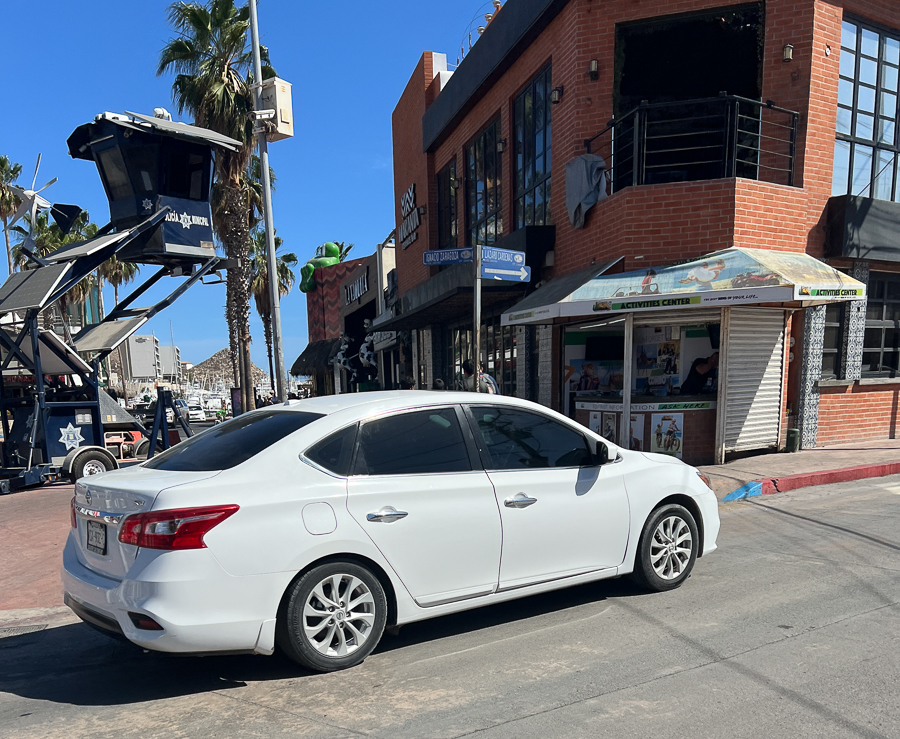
{"x": 96, "y": 537}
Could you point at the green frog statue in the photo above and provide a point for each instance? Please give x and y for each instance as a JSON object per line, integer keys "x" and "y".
{"x": 327, "y": 255}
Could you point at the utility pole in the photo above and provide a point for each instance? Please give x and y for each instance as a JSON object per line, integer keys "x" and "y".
{"x": 271, "y": 261}
{"x": 477, "y": 326}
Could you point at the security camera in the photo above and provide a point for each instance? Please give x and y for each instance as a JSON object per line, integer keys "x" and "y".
{"x": 262, "y": 115}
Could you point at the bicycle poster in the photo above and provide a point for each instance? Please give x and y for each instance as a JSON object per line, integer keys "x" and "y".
{"x": 667, "y": 433}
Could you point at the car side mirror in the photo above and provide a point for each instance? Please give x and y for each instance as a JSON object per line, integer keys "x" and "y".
{"x": 601, "y": 453}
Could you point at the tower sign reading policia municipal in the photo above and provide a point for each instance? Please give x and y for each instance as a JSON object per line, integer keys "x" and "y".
{"x": 157, "y": 176}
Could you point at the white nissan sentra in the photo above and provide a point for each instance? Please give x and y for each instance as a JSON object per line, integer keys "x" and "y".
{"x": 315, "y": 525}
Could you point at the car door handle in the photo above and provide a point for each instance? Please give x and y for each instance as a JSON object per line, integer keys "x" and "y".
{"x": 388, "y": 514}
{"x": 519, "y": 500}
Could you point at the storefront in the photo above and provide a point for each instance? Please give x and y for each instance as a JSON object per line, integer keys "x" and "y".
{"x": 687, "y": 360}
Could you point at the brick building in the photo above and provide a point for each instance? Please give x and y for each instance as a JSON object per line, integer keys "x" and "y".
{"x": 748, "y": 169}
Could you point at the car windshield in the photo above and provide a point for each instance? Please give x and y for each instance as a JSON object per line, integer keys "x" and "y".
{"x": 229, "y": 444}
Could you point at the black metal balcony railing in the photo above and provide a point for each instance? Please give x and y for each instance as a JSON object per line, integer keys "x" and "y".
{"x": 710, "y": 138}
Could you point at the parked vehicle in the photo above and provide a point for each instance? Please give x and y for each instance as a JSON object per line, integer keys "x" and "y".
{"x": 196, "y": 413}
{"x": 316, "y": 524}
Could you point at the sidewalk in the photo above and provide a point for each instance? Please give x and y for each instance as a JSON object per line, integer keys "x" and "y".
{"x": 779, "y": 472}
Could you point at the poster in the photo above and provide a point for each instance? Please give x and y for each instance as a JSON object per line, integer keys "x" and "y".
{"x": 636, "y": 443}
{"x": 610, "y": 427}
{"x": 667, "y": 433}
{"x": 589, "y": 376}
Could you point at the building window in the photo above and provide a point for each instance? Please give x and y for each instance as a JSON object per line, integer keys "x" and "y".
{"x": 832, "y": 343}
{"x": 446, "y": 203}
{"x": 881, "y": 344}
{"x": 532, "y": 132}
{"x": 866, "y": 146}
{"x": 483, "y": 180}
{"x": 498, "y": 354}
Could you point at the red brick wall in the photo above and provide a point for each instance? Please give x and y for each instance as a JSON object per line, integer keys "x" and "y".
{"x": 323, "y": 305}
{"x": 858, "y": 412}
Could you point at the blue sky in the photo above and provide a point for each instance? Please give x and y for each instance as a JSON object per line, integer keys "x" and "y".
{"x": 348, "y": 63}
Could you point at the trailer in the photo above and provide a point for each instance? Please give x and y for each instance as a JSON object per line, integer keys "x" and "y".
{"x": 55, "y": 416}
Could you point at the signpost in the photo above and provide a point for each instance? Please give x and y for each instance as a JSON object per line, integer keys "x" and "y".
{"x": 493, "y": 264}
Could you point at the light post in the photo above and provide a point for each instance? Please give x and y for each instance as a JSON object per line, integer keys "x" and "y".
{"x": 271, "y": 261}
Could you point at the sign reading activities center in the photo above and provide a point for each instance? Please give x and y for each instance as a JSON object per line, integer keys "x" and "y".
{"x": 409, "y": 210}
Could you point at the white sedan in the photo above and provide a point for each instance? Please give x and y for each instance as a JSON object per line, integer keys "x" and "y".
{"x": 315, "y": 525}
{"x": 196, "y": 413}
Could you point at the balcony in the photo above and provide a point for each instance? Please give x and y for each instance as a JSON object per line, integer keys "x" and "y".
{"x": 706, "y": 139}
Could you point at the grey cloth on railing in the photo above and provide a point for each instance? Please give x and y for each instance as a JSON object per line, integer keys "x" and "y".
{"x": 585, "y": 185}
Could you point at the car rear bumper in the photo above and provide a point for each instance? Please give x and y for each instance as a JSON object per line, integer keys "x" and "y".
{"x": 199, "y": 606}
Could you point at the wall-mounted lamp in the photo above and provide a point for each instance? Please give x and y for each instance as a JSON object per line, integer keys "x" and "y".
{"x": 480, "y": 30}
{"x": 594, "y": 69}
{"x": 556, "y": 94}
{"x": 454, "y": 183}
{"x": 423, "y": 209}
{"x": 787, "y": 53}
{"x": 501, "y": 145}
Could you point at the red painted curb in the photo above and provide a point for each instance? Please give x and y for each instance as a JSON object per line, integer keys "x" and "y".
{"x": 825, "y": 477}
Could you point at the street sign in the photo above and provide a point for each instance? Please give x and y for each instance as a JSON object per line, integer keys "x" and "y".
{"x": 438, "y": 257}
{"x": 495, "y": 271}
{"x": 494, "y": 256}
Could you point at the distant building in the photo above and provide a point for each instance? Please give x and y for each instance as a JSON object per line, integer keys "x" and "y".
{"x": 170, "y": 364}
{"x": 142, "y": 358}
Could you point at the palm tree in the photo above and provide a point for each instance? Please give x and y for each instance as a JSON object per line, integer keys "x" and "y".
{"x": 212, "y": 60}
{"x": 345, "y": 249}
{"x": 259, "y": 283}
{"x": 118, "y": 273}
{"x": 9, "y": 173}
{"x": 47, "y": 237}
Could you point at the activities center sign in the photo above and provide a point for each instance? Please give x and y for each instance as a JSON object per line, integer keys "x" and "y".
{"x": 736, "y": 276}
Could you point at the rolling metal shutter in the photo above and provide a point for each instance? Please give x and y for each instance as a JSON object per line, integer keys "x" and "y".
{"x": 754, "y": 372}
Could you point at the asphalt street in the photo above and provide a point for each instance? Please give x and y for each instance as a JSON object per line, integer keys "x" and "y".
{"x": 791, "y": 629}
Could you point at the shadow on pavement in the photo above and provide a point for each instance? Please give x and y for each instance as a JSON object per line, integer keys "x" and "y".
{"x": 74, "y": 664}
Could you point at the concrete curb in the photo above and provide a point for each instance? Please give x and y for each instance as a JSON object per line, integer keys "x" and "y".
{"x": 770, "y": 485}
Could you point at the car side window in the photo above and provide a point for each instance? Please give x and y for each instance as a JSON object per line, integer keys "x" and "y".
{"x": 409, "y": 443}
{"x": 515, "y": 439}
{"x": 334, "y": 452}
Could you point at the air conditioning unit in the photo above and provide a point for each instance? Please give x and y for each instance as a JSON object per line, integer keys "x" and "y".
{"x": 276, "y": 95}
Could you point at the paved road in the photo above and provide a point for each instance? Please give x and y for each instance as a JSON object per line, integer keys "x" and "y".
{"x": 791, "y": 629}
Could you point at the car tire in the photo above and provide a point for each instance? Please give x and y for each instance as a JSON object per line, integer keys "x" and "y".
{"x": 667, "y": 550}
{"x": 315, "y": 629}
{"x": 90, "y": 463}
{"x": 142, "y": 448}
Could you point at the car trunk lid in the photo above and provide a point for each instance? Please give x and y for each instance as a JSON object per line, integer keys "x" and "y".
{"x": 103, "y": 502}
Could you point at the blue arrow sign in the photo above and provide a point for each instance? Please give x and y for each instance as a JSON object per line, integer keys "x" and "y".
{"x": 492, "y": 255}
{"x": 438, "y": 257}
{"x": 509, "y": 272}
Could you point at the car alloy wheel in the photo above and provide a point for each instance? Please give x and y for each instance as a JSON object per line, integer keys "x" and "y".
{"x": 93, "y": 467}
{"x": 332, "y": 617}
{"x": 667, "y": 548}
{"x": 670, "y": 547}
{"x": 339, "y": 615}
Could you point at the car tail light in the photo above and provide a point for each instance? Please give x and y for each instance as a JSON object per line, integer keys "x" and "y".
{"x": 144, "y": 622}
{"x": 178, "y": 528}
{"x": 73, "y": 520}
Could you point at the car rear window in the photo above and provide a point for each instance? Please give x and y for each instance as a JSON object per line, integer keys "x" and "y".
{"x": 229, "y": 444}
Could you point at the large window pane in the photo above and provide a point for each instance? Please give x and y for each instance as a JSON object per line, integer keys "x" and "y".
{"x": 884, "y": 175}
{"x": 866, "y": 99}
{"x": 845, "y": 92}
{"x": 848, "y": 35}
{"x": 869, "y": 43}
{"x": 886, "y": 131}
{"x": 533, "y": 110}
{"x": 891, "y": 51}
{"x": 412, "y": 443}
{"x": 862, "y": 171}
{"x": 848, "y": 64}
{"x": 517, "y": 439}
{"x": 888, "y": 105}
{"x": 841, "y": 168}
{"x": 868, "y": 71}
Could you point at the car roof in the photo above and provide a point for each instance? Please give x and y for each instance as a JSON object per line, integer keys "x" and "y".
{"x": 361, "y": 405}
